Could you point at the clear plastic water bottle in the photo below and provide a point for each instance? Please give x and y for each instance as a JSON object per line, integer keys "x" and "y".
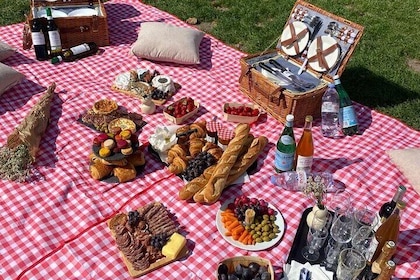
{"x": 330, "y": 112}
{"x": 296, "y": 180}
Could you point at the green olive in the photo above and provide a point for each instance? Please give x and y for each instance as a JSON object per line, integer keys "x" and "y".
{"x": 258, "y": 240}
{"x": 266, "y": 217}
{"x": 272, "y": 235}
{"x": 266, "y": 238}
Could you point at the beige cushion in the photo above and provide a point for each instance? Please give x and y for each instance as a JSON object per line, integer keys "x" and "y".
{"x": 8, "y": 77}
{"x": 408, "y": 162}
{"x": 164, "y": 42}
{"x": 5, "y": 50}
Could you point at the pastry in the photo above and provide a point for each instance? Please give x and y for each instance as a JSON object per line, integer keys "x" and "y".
{"x": 178, "y": 165}
{"x": 213, "y": 189}
{"x": 115, "y": 130}
{"x": 122, "y": 144}
{"x": 137, "y": 158}
{"x": 199, "y": 128}
{"x": 125, "y": 134}
{"x": 93, "y": 158}
{"x": 104, "y": 152}
{"x": 174, "y": 151}
{"x": 182, "y": 134}
{"x": 196, "y": 146}
{"x": 109, "y": 144}
{"x": 123, "y": 124}
{"x": 213, "y": 149}
{"x": 125, "y": 173}
{"x": 127, "y": 151}
{"x": 102, "y": 137}
{"x": 104, "y": 106}
{"x": 99, "y": 170}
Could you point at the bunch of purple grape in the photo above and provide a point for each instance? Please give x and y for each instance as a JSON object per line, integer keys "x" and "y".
{"x": 242, "y": 203}
{"x": 158, "y": 94}
{"x": 159, "y": 240}
{"x": 197, "y": 165}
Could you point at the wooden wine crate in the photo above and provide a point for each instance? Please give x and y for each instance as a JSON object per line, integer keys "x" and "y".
{"x": 78, "y": 28}
{"x": 328, "y": 50}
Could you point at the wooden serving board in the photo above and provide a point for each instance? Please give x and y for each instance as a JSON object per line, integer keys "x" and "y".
{"x": 133, "y": 94}
{"x": 161, "y": 262}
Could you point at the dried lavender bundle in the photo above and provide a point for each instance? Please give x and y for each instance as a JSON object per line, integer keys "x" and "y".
{"x": 15, "y": 163}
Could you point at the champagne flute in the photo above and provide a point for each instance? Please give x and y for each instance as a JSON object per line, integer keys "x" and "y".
{"x": 340, "y": 203}
{"x": 317, "y": 234}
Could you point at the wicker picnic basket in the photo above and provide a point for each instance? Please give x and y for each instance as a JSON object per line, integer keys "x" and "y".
{"x": 75, "y": 30}
{"x": 279, "y": 100}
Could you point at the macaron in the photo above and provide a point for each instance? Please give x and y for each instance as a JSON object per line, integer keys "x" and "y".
{"x": 102, "y": 137}
{"x": 122, "y": 144}
{"x": 125, "y": 134}
{"x": 127, "y": 151}
{"x": 104, "y": 152}
{"x": 109, "y": 143}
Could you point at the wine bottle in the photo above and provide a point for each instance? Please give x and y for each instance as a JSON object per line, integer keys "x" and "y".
{"x": 76, "y": 52}
{"x": 389, "y": 230}
{"x": 386, "y": 254}
{"x": 38, "y": 39}
{"x": 286, "y": 147}
{"x": 387, "y": 271}
{"x": 53, "y": 34}
{"x": 348, "y": 118}
{"x": 388, "y": 207}
{"x": 305, "y": 148}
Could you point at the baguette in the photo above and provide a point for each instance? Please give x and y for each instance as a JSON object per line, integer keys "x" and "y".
{"x": 243, "y": 163}
{"x": 196, "y": 184}
{"x": 217, "y": 181}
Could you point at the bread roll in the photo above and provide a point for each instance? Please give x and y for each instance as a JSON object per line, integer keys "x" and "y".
{"x": 99, "y": 170}
{"x": 214, "y": 187}
{"x": 125, "y": 173}
{"x": 137, "y": 158}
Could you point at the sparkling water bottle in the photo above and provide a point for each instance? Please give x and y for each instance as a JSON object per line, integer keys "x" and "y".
{"x": 296, "y": 180}
{"x": 330, "y": 111}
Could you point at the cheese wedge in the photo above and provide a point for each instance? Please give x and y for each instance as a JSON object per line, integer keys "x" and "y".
{"x": 174, "y": 245}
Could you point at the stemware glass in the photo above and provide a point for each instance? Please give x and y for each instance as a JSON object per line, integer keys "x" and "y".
{"x": 364, "y": 217}
{"x": 341, "y": 233}
{"x": 340, "y": 203}
{"x": 317, "y": 235}
{"x": 362, "y": 239}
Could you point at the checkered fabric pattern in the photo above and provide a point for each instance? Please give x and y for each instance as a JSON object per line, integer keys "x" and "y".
{"x": 54, "y": 227}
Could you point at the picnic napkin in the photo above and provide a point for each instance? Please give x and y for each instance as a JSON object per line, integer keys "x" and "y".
{"x": 292, "y": 271}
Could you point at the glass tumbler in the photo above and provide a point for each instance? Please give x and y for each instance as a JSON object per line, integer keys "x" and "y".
{"x": 350, "y": 263}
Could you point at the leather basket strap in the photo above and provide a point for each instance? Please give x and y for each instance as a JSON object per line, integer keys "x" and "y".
{"x": 294, "y": 38}
{"x": 321, "y": 53}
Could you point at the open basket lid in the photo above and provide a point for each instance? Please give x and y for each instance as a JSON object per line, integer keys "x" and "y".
{"x": 63, "y": 2}
{"x": 324, "y": 41}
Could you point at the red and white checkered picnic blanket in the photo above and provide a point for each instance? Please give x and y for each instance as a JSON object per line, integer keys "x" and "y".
{"x": 55, "y": 227}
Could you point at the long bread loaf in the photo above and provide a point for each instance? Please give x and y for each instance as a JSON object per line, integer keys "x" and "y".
{"x": 218, "y": 179}
{"x": 243, "y": 163}
{"x": 196, "y": 184}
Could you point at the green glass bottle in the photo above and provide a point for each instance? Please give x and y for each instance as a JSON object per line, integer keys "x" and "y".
{"x": 348, "y": 118}
{"x": 285, "y": 148}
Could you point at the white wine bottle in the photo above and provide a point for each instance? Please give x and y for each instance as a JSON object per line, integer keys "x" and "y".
{"x": 76, "y": 52}
{"x": 53, "y": 34}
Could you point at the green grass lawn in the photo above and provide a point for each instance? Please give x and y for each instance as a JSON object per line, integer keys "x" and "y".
{"x": 383, "y": 73}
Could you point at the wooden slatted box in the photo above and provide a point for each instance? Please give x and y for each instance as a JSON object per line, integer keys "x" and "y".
{"x": 75, "y": 30}
{"x": 278, "y": 97}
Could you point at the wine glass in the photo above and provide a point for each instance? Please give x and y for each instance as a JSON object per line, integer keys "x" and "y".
{"x": 364, "y": 217}
{"x": 340, "y": 203}
{"x": 317, "y": 234}
{"x": 341, "y": 233}
{"x": 362, "y": 238}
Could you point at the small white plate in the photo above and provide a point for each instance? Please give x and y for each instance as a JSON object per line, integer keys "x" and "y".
{"x": 54, "y": 13}
{"x": 83, "y": 12}
{"x": 258, "y": 246}
{"x": 302, "y": 42}
{"x": 331, "y": 58}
